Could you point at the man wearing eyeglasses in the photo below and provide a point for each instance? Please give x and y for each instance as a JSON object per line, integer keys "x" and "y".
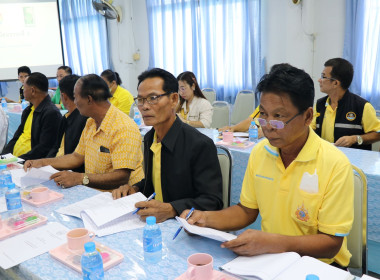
{"x": 180, "y": 163}
{"x": 109, "y": 147}
{"x": 342, "y": 117}
{"x": 301, "y": 185}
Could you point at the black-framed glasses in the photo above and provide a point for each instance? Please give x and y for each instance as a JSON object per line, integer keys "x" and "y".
{"x": 327, "y": 78}
{"x": 275, "y": 123}
{"x": 152, "y": 100}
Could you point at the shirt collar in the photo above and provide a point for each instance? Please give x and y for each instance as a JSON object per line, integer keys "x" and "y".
{"x": 171, "y": 137}
{"x": 308, "y": 151}
{"x": 106, "y": 122}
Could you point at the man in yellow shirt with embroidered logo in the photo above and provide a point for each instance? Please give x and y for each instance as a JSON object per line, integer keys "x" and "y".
{"x": 302, "y": 185}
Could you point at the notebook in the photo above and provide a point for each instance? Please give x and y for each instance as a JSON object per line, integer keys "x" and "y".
{"x": 283, "y": 266}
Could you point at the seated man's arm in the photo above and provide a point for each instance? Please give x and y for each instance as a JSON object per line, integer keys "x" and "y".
{"x": 206, "y": 179}
{"x": 371, "y": 127}
{"x": 64, "y": 162}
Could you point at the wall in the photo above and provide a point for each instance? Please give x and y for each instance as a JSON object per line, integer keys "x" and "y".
{"x": 287, "y": 30}
{"x": 127, "y": 38}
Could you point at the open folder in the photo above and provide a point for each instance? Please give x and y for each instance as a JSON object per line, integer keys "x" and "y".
{"x": 283, "y": 266}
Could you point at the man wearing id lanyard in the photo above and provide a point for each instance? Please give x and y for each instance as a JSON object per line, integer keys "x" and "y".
{"x": 302, "y": 186}
{"x": 109, "y": 147}
{"x": 180, "y": 163}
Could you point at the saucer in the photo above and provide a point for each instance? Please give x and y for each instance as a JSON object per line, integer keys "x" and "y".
{"x": 216, "y": 275}
{"x": 53, "y": 196}
{"x": 71, "y": 258}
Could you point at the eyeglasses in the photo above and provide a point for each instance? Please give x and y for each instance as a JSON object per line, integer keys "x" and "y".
{"x": 152, "y": 100}
{"x": 323, "y": 77}
{"x": 275, "y": 123}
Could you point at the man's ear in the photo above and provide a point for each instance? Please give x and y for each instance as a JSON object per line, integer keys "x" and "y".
{"x": 309, "y": 113}
{"x": 90, "y": 99}
{"x": 174, "y": 97}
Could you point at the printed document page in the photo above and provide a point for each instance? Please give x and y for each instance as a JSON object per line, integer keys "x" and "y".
{"x": 30, "y": 244}
{"x": 34, "y": 176}
{"x": 77, "y": 207}
{"x": 206, "y": 232}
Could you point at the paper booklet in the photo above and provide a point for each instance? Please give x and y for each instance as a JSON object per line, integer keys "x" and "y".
{"x": 206, "y": 232}
{"x": 104, "y": 215}
{"x": 283, "y": 266}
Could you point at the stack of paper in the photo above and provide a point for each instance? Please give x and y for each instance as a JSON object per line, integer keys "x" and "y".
{"x": 104, "y": 216}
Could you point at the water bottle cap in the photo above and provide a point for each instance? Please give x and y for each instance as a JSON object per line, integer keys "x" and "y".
{"x": 11, "y": 186}
{"x": 312, "y": 277}
{"x": 151, "y": 220}
{"x": 89, "y": 247}
{"x": 3, "y": 167}
{"x": 253, "y": 123}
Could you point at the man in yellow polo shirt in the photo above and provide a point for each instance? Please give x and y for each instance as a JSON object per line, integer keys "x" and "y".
{"x": 302, "y": 185}
{"x": 38, "y": 130}
{"x": 181, "y": 164}
{"x": 342, "y": 117}
{"x": 110, "y": 145}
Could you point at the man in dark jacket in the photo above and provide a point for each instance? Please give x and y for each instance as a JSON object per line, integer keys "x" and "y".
{"x": 72, "y": 124}
{"x": 38, "y": 130}
{"x": 181, "y": 164}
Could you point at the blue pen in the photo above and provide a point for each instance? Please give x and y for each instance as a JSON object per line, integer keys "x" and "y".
{"x": 149, "y": 198}
{"x": 187, "y": 217}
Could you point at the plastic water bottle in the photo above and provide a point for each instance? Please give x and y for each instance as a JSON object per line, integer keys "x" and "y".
{"x": 253, "y": 132}
{"x": 4, "y": 105}
{"x": 24, "y": 104}
{"x": 152, "y": 241}
{"x": 137, "y": 118}
{"x": 311, "y": 277}
{"x": 3, "y": 188}
{"x": 92, "y": 263}
{"x": 13, "y": 200}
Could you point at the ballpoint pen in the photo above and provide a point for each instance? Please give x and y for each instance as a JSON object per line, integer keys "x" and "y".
{"x": 187, "y": 217}
{"x": 149, "y": 198}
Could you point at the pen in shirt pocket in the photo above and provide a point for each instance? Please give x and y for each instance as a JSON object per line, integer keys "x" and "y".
{"x": 104, "y": 150}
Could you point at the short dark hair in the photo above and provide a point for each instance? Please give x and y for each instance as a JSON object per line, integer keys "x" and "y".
{"x": 38, "y": 80}
{"x": 67, "y": 69}
{"x": 24, "y": 69}
{"x": 342, "y": 70}
{"x": 296, "y": 83}
{"x": 94, "y": 86}
{"x": 66, "y": 85}
{"x": 170, "y": 82}
{"x": 111, "y": 76}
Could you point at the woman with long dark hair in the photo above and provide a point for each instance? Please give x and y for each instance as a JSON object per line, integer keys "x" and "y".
{"x": 193, "y": 108}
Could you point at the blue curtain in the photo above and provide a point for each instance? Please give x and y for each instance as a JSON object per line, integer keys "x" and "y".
{"x": 362, "y": 47}
{"x": 218, "y": 40}
{"x": 85, "y": 42}
{"x": 3, "y": 89}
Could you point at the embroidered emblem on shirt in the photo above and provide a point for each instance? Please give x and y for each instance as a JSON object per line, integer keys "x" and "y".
{"x": 351, "y": 116}
{"x": 302, "y": 213}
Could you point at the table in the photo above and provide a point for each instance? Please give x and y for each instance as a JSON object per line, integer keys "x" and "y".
{"x": 129, "y": 243}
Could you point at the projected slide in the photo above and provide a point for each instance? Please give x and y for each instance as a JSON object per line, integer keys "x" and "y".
{"x": 29, "y": 35}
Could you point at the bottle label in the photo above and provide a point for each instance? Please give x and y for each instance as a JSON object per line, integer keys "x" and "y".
{"x": 253, "y": 133}
{"x": 152, "y": 244}
{"x": 13, "y": 201}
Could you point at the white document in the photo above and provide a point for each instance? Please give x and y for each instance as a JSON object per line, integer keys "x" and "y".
{"x": 366, "y": 277}
{"x": 206, "y": 232}
{"x": 76, "y": 208}
{"x": 3, "y": 205}
{"x": 115, "y": 216}
{"x": 105, "y": 213}
{"x": 30, "y": 244}
{"x": 34, "y": 176}
{"x": 283, "y": 266}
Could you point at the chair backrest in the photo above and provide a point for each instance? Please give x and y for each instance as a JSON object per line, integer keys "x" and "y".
{"x": 225, "y": 162}
{"x": 132, "y": 111}
{"x": 210, "y": 94}
{"x": 221, "y": 114}
{"x": 357, "y": 239}
{"x": 243, "y": 107}
{"x": 4, "y": 125}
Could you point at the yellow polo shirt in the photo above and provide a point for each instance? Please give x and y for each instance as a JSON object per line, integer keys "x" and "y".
{"x": 156, "y": 171}
{"x": 370, "y": 122}
{"x": 314, "y": 193}
{"x": 24, "y": 142}
{"x": 122, "y": 99}
{"x": 119, "y": 138}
